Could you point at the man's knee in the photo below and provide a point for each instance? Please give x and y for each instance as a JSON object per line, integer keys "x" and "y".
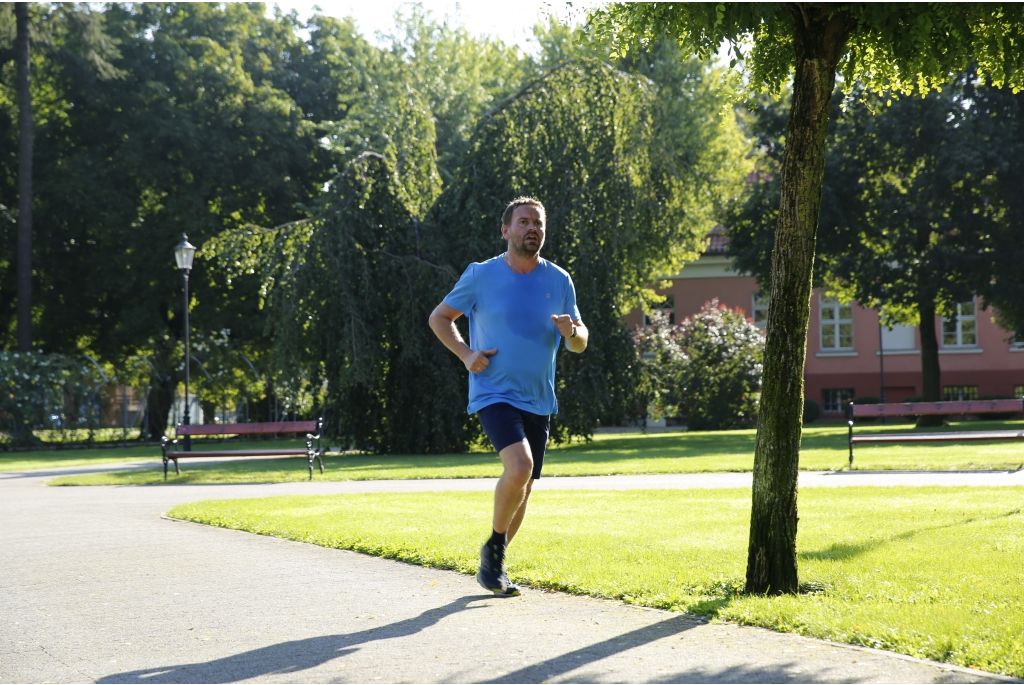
{"x": 518, "y": 463}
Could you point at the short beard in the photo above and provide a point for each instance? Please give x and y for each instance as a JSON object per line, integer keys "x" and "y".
{"x": 521, "y": 250}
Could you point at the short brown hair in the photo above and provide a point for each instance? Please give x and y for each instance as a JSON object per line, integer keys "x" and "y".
{"x": 506, "y": 216}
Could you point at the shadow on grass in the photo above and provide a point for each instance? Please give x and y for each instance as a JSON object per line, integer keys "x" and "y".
{"x": 841, "y": 551}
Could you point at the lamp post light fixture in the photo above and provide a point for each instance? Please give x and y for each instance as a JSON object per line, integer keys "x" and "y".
{"x": 183, "y": 255}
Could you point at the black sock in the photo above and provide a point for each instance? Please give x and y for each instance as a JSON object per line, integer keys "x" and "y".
{"x": 497, "y": 540}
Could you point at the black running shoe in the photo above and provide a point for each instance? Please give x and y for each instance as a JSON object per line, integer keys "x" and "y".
{"x": 511, "y": 589}
{"x": 492, "y": 574}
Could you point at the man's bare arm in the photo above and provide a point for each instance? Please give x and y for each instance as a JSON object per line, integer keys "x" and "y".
{"x": 442, "y": 322}
{"x": 565, "y": 325}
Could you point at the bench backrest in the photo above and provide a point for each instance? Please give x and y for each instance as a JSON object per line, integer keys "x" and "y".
{"x": 250, "y": 428}
{"x": 919, "y": 408}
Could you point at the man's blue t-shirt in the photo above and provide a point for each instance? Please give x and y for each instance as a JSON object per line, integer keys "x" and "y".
{"x": 512, "y": 312}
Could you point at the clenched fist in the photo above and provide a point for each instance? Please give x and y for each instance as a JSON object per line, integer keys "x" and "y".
{"x": 478, "y": 360}
{"x": 564, "y": 323}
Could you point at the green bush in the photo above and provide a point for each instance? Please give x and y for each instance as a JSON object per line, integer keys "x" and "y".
{"x": 707, "y": 368}
{"x": 812, "y": 410}
{"x": 40, "y": 391}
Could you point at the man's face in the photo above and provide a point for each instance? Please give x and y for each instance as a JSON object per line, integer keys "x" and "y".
{"x": 525, "y": 235}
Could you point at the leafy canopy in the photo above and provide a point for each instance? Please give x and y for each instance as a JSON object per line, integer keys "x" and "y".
{"x": 900, "y": 47}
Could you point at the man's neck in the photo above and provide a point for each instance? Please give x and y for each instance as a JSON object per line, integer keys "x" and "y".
{"x": 521, "y": 264}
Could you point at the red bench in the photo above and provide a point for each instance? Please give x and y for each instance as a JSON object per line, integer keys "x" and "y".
{"x": 312, "y": 429}
{"x": 935, "y": 408}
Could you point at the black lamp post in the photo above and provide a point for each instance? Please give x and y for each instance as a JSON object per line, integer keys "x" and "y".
{"x": 183, "y": 255}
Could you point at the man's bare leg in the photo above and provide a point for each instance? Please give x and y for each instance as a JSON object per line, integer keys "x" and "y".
{"x": 517, "y": 519}
{"x": 513, "y": 487}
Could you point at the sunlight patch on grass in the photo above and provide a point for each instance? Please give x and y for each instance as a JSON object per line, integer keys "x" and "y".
{"x": 936, "y": 573}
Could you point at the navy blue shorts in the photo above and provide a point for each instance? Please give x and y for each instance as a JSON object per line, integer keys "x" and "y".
{"x": 506, "y": 425}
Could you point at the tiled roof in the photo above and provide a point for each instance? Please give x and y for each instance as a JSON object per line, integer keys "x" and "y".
{"x": 718, "y": 241}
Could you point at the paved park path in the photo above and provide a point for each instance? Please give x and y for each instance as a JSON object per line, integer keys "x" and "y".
{"x": 96, "y": 586}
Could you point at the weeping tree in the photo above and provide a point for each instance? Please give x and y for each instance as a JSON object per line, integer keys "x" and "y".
{"x": 622, "y": 209}
{"x": 345, "y": 293}
{"x": 348, "y": 292}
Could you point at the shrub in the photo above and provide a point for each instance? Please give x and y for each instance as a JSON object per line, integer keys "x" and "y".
{"x": 812, "y": 410}
{"x": 708, "y": 367}
{"x": 40, "y": 391}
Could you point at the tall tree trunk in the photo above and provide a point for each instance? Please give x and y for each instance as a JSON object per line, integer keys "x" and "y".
{"x": 24, "y": 274}
{"x": 161, "y": 396}
{"x": 771, "y": 557}
{"x": 931, "y": 379}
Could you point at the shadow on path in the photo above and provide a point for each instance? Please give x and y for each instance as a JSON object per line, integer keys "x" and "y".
{"x": 562, "y": 664}
{"x": 288, "y": 657}
{"x": 790, "y": 672}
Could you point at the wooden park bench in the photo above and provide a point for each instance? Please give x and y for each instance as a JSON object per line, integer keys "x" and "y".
{"x": 935, "y": 408}
{"x": 312, "y": 429}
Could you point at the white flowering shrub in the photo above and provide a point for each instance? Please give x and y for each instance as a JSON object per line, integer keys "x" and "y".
{"x": 41, "y": 391}
{"x": 706, "y": 368}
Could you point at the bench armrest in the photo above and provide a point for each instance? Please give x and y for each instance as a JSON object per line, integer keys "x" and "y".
{"x": 165, "y": 442}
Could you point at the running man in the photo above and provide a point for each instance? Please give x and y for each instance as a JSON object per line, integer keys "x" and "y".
{"x": 520, "y": 307}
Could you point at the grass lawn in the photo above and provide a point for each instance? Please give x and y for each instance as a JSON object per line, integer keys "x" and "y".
{"x": 936, "y": 573}
{"x": 47, "y": 459}
{"x": 824, "y": 449}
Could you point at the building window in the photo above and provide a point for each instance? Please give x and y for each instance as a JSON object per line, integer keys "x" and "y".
{"x": 899, "y": 338}
{"x": 1018, "y": 392}
{"x": 668, "y": 308}
{"x": 958, "y": 393}
{"x": 961, "y": 330}
{"x": 836, "y": 322}
{"x": 760, "y": 309}
{"x": 834, "y": 400}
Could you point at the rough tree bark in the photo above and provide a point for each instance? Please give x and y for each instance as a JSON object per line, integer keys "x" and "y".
{"x": 24, "y": 273}
{"x": 820, "y": 36}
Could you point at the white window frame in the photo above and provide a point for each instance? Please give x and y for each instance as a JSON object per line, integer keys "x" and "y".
{"x": 840, "y": 396}
{"x": 835, "y": 323}
{"x": 959, "y": 320}
{"x": 759, "y": 302}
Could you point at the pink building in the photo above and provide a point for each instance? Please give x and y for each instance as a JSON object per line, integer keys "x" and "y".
{"x": 976, "y": 356}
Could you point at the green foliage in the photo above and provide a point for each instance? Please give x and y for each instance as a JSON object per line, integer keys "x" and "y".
{"x": 347, "y": 296}
{"x": 916, "y": 199}
{"x": 41, "y": 391}
{"x": 615, "y": 212}
{"x": 458, "y": 75}
{"x": 708, "y": 367}
{"x": 892, "y": 46}
{"x": 155, "y": 117}
{"x": 345, "y": 291}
